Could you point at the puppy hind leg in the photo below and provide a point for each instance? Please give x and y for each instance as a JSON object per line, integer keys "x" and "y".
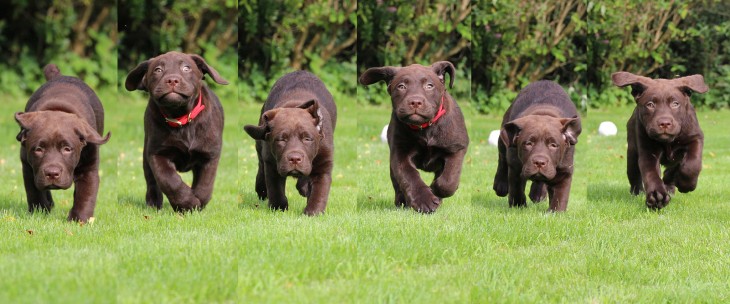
{"x": 670, "y": 175}
{"x": 501, "y": 184}
{"x": 400, "y": 199}
{"x": 37, "y": 199}
{"x": 538, "y": 192}
{"x": 153, "y": 196}
{"x": 261, "y": 182}
{"x": 304, "y": 186}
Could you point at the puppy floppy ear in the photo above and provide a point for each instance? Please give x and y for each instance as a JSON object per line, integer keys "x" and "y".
{"x": 444, "y": 67}
{"x": 312, "y": 107}
{"x": 638, "y": 83}
{"x": 25, "y": 120}
{"x": 88, "y": 134}
{"x": 135, "y": 78}
{"x": 259, "y": 132}
{"x": 510, "y": 132}
{"x": 692, "y": 83}
{"x": 571, "y": 129}
{"x": 373, "y": 75}
{"x": 207, "y": 69}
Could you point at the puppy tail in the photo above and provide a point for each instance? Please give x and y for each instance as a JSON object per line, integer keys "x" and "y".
{"x": 51, "y": 71}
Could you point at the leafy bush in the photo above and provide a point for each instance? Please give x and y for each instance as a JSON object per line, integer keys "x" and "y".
{"x": 78, "y": 36}
{"x": 580, "y": 44}
{"x": 400, "y": 33}
{"x": 286, "y": 35}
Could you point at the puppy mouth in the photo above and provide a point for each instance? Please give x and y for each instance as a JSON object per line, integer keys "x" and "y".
{"x": 414, "y": 118}
{"x": 175, "y": 96}
{"x": 664, "y": 137}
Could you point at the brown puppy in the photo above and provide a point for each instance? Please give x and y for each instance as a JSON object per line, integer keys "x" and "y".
{"x": 538, "y": 137}
{"x": 426, "y": 132}
{"x": 183, "y": 127}
{"x": 59, "y": 139}
{"x": 663, "y": 130}
{"x": 294, "y": 138}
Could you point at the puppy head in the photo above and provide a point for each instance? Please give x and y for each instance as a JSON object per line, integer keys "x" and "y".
{"x": 173, "y": 79}
{"x": 292, "y": 135}
{"x": 416, "y": 91}
{"x": 51, "y": 142}
{"x": 663, "y": 105}
{"x": 542, "y": 143}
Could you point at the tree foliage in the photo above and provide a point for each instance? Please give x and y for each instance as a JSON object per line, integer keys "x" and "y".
{"x": 400, "y": 33}
{"x": 279, "y": 36}
{"x": 79, "y": 36}
{"x": 580, "y": 43}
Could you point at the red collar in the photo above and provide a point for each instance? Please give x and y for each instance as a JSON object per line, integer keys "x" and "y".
{"x": 185, "y": 119}
{"x": 440, "y": 113}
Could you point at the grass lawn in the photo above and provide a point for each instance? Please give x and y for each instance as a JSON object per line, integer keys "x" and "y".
{"x": 606, "y": 248}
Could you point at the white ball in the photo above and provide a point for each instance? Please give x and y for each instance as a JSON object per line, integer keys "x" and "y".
{"x": 494, "y": 138}
{"x": 384, "y": 134}
{"x": 607, "y": 128}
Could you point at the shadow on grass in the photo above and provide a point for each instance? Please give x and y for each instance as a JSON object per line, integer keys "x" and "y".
{"x": 372, "y": 203}
{"x": 11, "y": 205}
{"x": 610, "y": 192}
{"x": 136, "y": 201}
{"x": 250, "y": 201}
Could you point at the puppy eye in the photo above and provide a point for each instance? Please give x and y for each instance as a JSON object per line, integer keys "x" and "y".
{"x": 401, "y": 87}
{"x": 650, "y": 105}
{"x": 528, "y": 144}
{"x": 38, "y": 150}
{"x": 308, "y": 139}
{"x": 67, "y": 149}
{"x": 675, "y": 104}
{"x": 158, "y": 70}
{"x": 553, "y": 145}
{"x": 186, "y": 68}
{"x": 429, "y": 86}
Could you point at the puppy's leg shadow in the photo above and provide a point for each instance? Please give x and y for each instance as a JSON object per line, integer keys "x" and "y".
{"x": 250, "y": 201}
{"x": 135, "y": 201}
{"x": 374, "y": 202}
{"x": 487, "y": 199}
{"x": 612, "y": 192}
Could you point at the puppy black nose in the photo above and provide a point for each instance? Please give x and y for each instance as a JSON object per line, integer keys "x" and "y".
{"x": 664, "y": 123}
{"x": 540, "y": 162}
{"x": 52, "y": 173}
{"x": 415, "y": 103}
{"x": 295, "y": 158}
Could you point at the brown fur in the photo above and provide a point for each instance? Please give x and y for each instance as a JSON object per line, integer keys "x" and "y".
{"x": 295, "y": 138}
{"x": 416, "y": 92}
{"x": 538, "y": 137}
{"x": 60, "y": 138}
{"x": 663, "y": 129}
{"x": 174, "y": 81}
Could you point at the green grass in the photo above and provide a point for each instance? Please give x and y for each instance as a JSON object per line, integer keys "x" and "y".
{"x": 606, "y": 248}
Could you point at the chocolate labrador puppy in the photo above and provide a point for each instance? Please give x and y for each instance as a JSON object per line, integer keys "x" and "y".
{"x": 295, "y": 138}
{"x": 538, "y": 137}
{"x": 663, "y": 130}
{"x": 183, "y": 127}
{"x": 59, "y": 143}
{"x": 426, "y": 132}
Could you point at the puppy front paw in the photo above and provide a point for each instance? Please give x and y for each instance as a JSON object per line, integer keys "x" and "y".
{"x": 517, "y": 200}
{"x": 501, "y": 188}
{"x": 657, "y": 198}
{"x": 187, "y": 203}
{"x": 425, "y": 202}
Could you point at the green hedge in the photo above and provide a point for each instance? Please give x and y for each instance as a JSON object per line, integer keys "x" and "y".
{"x": 400, "y": 33}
